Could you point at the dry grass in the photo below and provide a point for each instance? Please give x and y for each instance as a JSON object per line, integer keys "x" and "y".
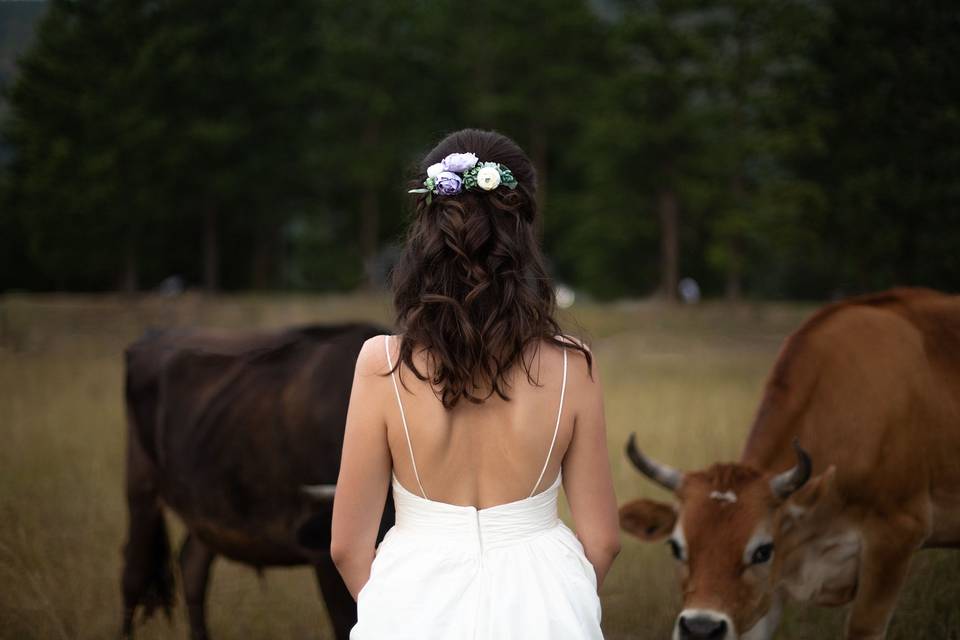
{"x": 686, "y": 380}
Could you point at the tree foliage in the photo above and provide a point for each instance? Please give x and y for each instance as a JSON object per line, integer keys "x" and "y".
{"x": 798, "y": 148}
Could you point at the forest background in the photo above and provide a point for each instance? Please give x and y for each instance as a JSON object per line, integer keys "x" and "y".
{"x": 802, "y": 149}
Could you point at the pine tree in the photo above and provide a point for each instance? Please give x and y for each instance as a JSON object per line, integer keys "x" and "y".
{"x": 763, "y": 79}
{"x": 894, "y": 136}
{"x": 136, "y": 121}
{"x": 647, "y": 135}
{"x": 76, "y": 125}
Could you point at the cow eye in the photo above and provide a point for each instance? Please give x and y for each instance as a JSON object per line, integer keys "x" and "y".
{"x": 762, "y": 554}
{"x": 675, "y": 549}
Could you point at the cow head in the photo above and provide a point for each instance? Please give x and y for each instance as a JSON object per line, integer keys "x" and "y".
{"x": 729, "y": 530}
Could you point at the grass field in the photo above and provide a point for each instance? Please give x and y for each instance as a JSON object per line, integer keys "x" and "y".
{"x": 686, "y": 380}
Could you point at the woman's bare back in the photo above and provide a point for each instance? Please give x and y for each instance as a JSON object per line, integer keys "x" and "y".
{"x": 491, "y": 453}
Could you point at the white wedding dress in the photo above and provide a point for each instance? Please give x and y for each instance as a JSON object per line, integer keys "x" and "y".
{"x": 453, "y": 572}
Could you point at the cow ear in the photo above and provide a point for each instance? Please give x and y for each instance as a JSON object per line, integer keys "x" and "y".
{"x": 648, "y": 520}
{"x": 815, "y": 493}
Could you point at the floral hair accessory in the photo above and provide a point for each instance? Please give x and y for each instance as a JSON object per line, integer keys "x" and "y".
{"x": 443, "y": 179}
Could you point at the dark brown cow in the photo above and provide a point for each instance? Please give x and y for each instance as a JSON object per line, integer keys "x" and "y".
{"x": 870, "y": 388}
{"x": 235, "y": 433}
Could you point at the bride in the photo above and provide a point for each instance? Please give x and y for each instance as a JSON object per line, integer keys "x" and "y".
{"x": 475, "y": 415}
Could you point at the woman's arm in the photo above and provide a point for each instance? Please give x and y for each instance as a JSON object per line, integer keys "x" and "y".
{"x": 364, "y": 470}
{"x": 587, "y": 480}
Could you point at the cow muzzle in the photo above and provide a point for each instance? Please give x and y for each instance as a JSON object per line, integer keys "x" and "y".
{"x": 701, "y": 624}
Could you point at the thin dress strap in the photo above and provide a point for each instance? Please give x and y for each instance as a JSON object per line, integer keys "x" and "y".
{"x": 556, "y": 428}
{"x": 403, "y": 417}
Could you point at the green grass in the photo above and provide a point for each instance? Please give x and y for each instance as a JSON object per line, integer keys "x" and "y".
{"x": 686, "y": 380}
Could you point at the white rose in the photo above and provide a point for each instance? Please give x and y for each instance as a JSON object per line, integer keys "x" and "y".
{"x": 488, "y": 178}
{"x": 434, "y": 170}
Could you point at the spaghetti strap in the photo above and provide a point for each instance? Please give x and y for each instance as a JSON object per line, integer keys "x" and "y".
{"x": 403, "y": 417}
{"x": 556, "y": 428}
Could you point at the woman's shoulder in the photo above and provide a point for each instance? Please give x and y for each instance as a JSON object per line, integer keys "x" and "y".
{"x": 373, "y": 354}
{"x": 581, "y": 362}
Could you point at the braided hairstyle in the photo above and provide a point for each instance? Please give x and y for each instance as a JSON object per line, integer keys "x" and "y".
{"x": 470, "y": 286}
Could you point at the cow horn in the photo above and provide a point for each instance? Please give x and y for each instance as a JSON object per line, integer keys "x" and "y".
{"x": 666, "y": 477}
{"x": 785, "y": 483}
{"x": 321, "y": 492}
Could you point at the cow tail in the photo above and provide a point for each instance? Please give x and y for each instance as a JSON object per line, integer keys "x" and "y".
{"x": 147, "y": 570}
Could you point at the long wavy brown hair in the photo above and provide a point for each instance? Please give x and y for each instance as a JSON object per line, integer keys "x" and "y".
{"x": 470, "y": 286}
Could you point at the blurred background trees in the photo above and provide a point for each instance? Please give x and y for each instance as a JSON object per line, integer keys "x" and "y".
{"x": 803, "y": 148}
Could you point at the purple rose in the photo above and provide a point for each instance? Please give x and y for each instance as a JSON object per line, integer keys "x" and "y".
{"x": 459, "y": 162}
{"x": 447, "y": 183}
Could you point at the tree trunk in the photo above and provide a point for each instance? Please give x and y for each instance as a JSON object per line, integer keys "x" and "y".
{"x": 263, "y": 273}
{"x": 211, "y": 251}
{"x": 734, "y": 289}
{"x": 538, "y": 154}
{"x": 906, "y": 263}
{"x": 370, "y": 209}
{"x": 129, "y": 281}
{"x": 369, "y": 232}
{"x": 668, "y": 208}
{"x": 734, "y": 286}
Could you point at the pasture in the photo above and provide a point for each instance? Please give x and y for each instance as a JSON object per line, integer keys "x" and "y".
{"x": 686, "y": 380}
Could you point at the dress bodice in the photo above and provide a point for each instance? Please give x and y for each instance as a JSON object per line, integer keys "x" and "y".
{"x": 487, "y": 528}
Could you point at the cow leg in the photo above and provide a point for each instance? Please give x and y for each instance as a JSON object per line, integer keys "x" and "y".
{"x": 195, "y": 562}
{"x": 884, "y": 565}
{"x": 340, "y": 605}
{"x": 147, "y": 579}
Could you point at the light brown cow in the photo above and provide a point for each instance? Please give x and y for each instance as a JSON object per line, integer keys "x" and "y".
{"x": 870, "y": 388}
